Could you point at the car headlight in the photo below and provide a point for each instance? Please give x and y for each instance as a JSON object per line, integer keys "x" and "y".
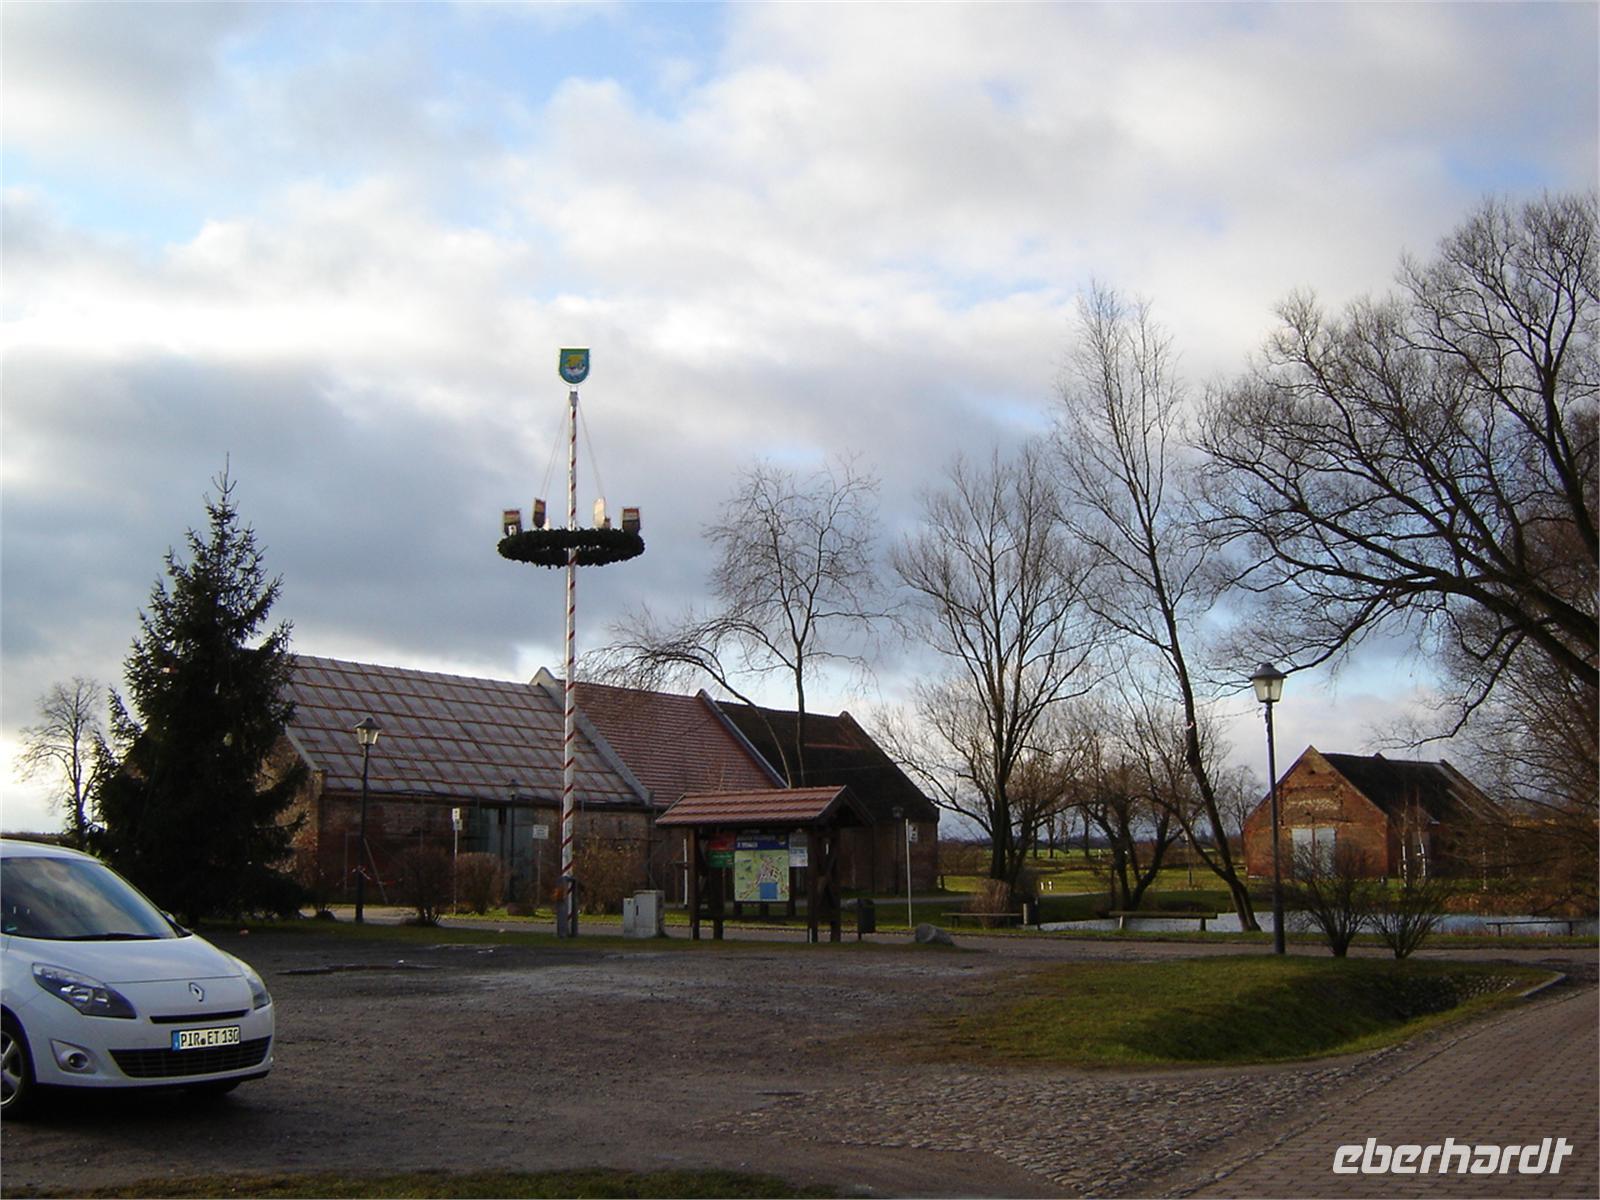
{"x": 85, "y": 993}
{"x": 259, "y": 996}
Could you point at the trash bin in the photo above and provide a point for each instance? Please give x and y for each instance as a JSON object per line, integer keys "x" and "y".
{"x": 866, "y": 916}
{"x": 1030, "y": 912}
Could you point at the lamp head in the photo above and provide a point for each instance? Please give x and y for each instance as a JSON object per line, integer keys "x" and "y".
{"x": 1268, "y": 682}
{"x": 367, "y": 732}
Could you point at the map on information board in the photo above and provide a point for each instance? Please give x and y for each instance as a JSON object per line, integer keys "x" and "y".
{"x": 761, "y": 869}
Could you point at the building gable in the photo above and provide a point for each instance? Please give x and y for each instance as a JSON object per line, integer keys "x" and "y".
{"x": 839, "y": 753}
{"x": 672, "y": 744}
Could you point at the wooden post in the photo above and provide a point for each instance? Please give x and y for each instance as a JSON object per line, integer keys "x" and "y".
{"x": 694, "y": 883}
{"x": 813, "y": 891}
{"x": 719, "y": 896}
{"x": 837, "y": 901}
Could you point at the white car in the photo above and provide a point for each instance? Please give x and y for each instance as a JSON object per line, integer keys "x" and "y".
{"x": 99, "y": 989}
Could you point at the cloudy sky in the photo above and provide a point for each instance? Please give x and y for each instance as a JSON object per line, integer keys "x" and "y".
{"x": 338, "y": 247}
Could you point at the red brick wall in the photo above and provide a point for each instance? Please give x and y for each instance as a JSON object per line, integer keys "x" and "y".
{"x": 1313, "y": 794}
{"x": 334, "y": 821}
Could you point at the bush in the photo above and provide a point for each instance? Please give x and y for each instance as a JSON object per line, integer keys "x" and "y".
{"x": 423, "y": 881}
{"x": 480, "y": 882}
{"x": 274, "y": 895}
{"x": 308, "y": 873}
{"x": 1404, "y": 918}
{"x": 1337, "y": 896}
{"x": 992, "y": 896}
{"x": 608, "y": 871}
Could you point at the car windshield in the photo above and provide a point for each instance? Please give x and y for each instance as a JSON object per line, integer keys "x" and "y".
{"x": 72, "y": 899}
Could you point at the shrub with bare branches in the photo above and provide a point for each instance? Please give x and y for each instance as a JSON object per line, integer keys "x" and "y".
{"x": 423, "y": 878}
{"x": 308, "y": 873}
{"x": 1334, "y": 891}
{"x": 480, "y": 882}
{"x": 1404, "y": 918}
{"x": 993, "y": 896}
{"x": 608, "y": 870}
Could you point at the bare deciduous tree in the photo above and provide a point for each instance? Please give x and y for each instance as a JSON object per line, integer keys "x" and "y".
{"x": 795, "y": 581}
{"x": 67, "y": 743}
{"x": 1119, "y": 439}
{"x": 1111, "y": 782}
{"x": 999, "y": 593}
{"x": 1431, "y": 457}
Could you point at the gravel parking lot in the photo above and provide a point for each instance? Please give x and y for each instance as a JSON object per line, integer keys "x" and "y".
{"x": 770, "y": 1058}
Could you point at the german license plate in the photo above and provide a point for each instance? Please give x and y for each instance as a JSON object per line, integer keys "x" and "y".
{"x": 204, "y": 1039}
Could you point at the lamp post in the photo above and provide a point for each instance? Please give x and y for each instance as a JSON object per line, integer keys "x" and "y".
{"x": 899, "y": 812}
{"x": 1268, "y": 682}
{"x": 367, "y": 732}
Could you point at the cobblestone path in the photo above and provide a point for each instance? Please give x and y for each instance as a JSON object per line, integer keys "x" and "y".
{"x": 1267, "y": 1131}
{"x": 1515, "y": 1079}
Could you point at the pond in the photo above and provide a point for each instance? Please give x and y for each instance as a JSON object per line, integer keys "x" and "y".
{"x": 1522, "y": 924}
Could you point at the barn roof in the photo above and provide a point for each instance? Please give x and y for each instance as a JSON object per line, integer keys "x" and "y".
{"x": 444, "y": 736}
{"x": 838, "y": 753}
{"x": 780, "y": 808}
{"x": 672, "y": 744}
{"x": 1396, "y": 784}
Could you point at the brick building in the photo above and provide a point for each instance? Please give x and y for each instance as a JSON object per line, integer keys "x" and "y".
{"x": 490, "y": 751}
{"x": 1398, "y": 815}
{"x": 486, "y": 748}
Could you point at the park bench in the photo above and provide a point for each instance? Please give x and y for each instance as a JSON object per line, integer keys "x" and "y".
{"x": 1123, "y": 917}
{"x": 1499, "y": 926}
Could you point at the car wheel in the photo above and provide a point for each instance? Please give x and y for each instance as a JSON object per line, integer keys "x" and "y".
{"x": 18, "y": 1095}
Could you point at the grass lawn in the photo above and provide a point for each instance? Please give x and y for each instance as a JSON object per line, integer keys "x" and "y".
{"x": 1209, "y": 1011}
{"x": 582, "y": 1184}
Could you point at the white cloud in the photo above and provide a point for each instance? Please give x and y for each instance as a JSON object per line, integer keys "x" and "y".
{"x": 375, "y": 226}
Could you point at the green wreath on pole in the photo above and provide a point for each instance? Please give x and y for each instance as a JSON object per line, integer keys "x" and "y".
{"x": 548, "y": 547}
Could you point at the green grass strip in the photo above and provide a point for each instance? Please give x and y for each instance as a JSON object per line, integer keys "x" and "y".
{"x": 1213, "y": 1011}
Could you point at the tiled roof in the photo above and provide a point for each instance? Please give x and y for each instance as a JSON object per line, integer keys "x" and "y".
{"x": 672, "y": 744}
{"x": 838, "y": 753}
{"x": 1394, "y": 784}
{"x": 770, "y": 807}
{"x": 446, "y": 736}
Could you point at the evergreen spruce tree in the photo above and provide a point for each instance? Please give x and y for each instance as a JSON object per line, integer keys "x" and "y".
{"x": 187, "y": 812}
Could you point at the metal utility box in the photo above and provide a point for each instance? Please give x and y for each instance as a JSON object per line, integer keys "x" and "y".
{"x": 644, "y": 915}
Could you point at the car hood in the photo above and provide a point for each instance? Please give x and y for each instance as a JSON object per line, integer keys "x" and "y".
{"x": 135, "y": 962}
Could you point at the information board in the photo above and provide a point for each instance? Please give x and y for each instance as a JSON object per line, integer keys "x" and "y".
{"x": 761, "y": 868}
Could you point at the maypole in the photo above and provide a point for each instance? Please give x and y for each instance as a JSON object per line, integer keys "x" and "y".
{"x": 569, "y": 716}
{"x": 571, "y": 547}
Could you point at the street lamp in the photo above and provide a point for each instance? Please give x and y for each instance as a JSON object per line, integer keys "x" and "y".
{"x": 1268, "y": 682}
{"x": 367, "y": 732}
{"x": 898, "y": 813}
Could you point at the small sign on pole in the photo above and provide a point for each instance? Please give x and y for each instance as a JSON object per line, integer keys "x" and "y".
{"x": 911, "y": 833}
{"x": 541, "y": 833}
{"x": 574, "y": 366}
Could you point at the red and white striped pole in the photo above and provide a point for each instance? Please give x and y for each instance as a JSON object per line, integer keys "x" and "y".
{"x": 569, "y": 762}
